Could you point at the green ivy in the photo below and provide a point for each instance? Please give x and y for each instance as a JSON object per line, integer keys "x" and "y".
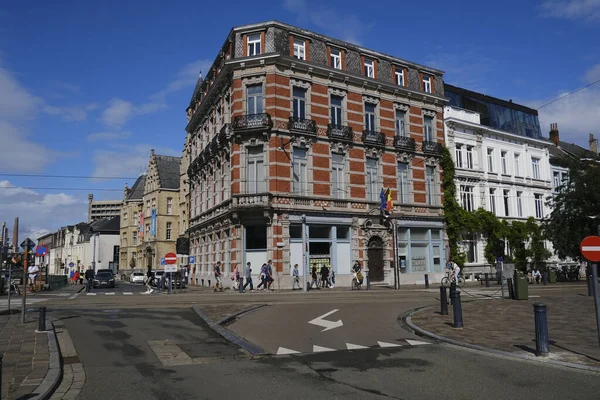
{"x": 460, "y": 222}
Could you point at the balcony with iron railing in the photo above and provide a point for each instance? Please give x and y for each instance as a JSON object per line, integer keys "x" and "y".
{"x": 302, "y": 125}
{"x": 432, "y": 147}
{"x": 405, "y": 143}
{"x": 252, "y": 122}
{"x": 340, "y": 132}
{"x": 373, "y": 138}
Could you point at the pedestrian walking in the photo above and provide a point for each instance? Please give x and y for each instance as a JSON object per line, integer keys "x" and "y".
{"x": 324, "y": 276}
{"x": 269, "y": 275}
{"x": 33, "y": 271}
{"x": 235, "y": 278}
{"x": 75, "y": 277}
{"x": 218, "y": 277}
{"x": 161, "y": 282}
{"x": 72, "y": 277}
{"x": 81, "y": 275}
{"x": 295, "y": 278}
{"x": 313, "y": 275}
{"x": 149, "y": 279}
{"x": 89, "y": 279}
{"x": 331, "y": 278}
{"x": 262, "y": 276}
{"x": 248, "y": 274}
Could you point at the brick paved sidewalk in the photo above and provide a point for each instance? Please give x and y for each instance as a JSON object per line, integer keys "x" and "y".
{"x": 26, "y": 356}
{"x": 508, "y": 325}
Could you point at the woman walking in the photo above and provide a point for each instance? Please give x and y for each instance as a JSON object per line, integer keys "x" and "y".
{"x": 262, "y": 277}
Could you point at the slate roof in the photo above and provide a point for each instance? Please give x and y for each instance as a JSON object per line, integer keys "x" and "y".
{"x": 571, "y": 150}
{"x": 168, "y": 171}
{"x": 106, "y": 225}
{"x": 137, "y": 190}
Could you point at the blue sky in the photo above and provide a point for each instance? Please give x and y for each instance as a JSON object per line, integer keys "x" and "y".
{"x": 88, "y": 88}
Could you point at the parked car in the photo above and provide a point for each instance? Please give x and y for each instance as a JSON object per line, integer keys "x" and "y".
{"x": 157, "y": 276}
{"x": 137, "y": 277}
{"x": 107, "y": 271}
{"x": 104, "y": 279}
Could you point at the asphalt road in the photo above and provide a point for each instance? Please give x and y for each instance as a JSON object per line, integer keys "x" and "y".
{"x": 162, "y": 350}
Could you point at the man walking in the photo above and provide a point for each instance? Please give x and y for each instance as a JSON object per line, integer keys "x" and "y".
{"x": 149, "y": 281}
{"x": 295, "y": 278}
{"x": 248, "y": 274}
{"x": 218, "y": 277}
{"x": 89, "y": 279}
{"x": 269, "y": 272}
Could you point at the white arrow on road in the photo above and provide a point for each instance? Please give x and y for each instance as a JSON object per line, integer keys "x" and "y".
{"x": 326, "y": 324}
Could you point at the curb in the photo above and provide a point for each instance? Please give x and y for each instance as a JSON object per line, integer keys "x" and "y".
{"x": 227, "y": 334}
{"x": 233, "y": 316}
{"x": 406, "y": 319}
{"x": 54, "y": 374}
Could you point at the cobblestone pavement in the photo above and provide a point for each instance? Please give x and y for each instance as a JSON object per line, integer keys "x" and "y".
{"x": 26, "y": 356}
{"x": 509, "y": 325}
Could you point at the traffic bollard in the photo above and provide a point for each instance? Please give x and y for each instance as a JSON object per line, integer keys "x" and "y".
{"x": 542, "y": 344}
{"x": 511, "y": 289}
{"x": 307, "y": 286}
{"x": 42, "y": 320}
{"x": 1, "y": 356}
{"x": 545, "y": 278}
{"x": 452, "y": 291}
{"x": 487, "y": 279}
{"x": 457, "y": 310}
{"x": 368, "y": 282}
{"x": 443, "y": 301}
{"x": 426, "y": 281}
{"x": 590, "y": 282}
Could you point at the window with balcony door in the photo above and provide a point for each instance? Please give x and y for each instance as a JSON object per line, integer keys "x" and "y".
{"x": 430, "y": 186}
{"x": 506, "y": 195}
{"x": 168, "y": 231}
{"x": 493, "y": 201}
{"x": 299, "y": 102}
{"x": 400, "y": 123}
{"x": 134, "y": 238}
{"x": 300, "y": 171}
{"x": 503, "y": 162}
{"x": 335, "y": 58}
{"x": 254, "y": 44}
{"x": 369, "y": 68}
{"x": 426, "y": 83}
{"x": 336, "y": 110}
{"x": 535, "y": 168}
{"x": 519, "y": 204}
{"x": 490, "y": 158}
{"x": 403, "y": 183}
{"x": 399, "y": 76}
{"x": 428, "y": 128}
{"x": 471, "y": 248}
{"x": 169, "y": 205}
{"x": 517, "y": 166}
{"x": 254, "y": 99}
{"x": 338, "y": 176}
{"x": 255, "y": 172}
{"x": 369, "y": 117}
{"x": 372, "y": 186}
{"x": 470, "y": 157}
{"x": 467, "y": 198}
{"x": 299, "y": 49}
{"x": 539, "y": 206}
{"x": 459, "y": 155}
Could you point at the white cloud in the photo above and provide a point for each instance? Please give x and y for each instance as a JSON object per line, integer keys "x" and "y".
{"x": 127, "y": 160}
{"x": 70, "y": 113}
{"x": 592, "y": 74}
{"x": 108, "y": 136}
{"x": 39, "y": 213}
{"x": 571, "y": 9}
{"x": 345, "y": 26}
{"x": 186, "y": 78}
{"x": 16, "y": 102}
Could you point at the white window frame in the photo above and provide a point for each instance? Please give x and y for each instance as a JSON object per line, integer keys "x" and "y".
{"x": 428, "y": 130}
{"x": 430, "y": 186}
{"x": 539, "y": 205}
{"x": 335, "y": 57}
{"x": 467, "y": 197}
{"x": 400, "y": 116}
{"x": 300, "y": 171}
{"x": 403, "y": 182}
{"x": 299, "y": 49}
{"x": 493, "y": 201}
{"x": 535, "y": 168}
{"x": 506, "y": 202}
{"x": 369, "y": 68}
{"x": 458, "y": 155}
{"x": 134, "y": 238}
{"x": 255, "y": 171}
{"x": 427, "y": 83}
{"x": 258, "y": 99}
{"x": 341, "y": 112}
{"x": 490, "y": 158}
{"x": 517, "y": 165}
{"x": 503, "y": 162}
{"x": 254, "y": 44}
{"x": 338, "y": 176}
{"x": 169, "y": 205}
{"x": 370, "y": 117}
{"x": 400, "y": 77}
{"x": 372, "y": 175}
{"x": 300, "y": 102}
{"x": 169, "y": 231}
{"x": 470, "y": 164}
{"x": 519, "y": 204}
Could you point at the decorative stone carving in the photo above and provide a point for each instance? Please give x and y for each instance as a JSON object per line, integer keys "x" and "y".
{"x": 371, "y": 100}
{"x": 299, "y": 83}
{"x": 374, "y": 152}
{"x": 429, "y": 113}
{"x": 337, "y": 92}
{"x": 432, "y": 161}
{"x": 339, "y": 147}
{"x": 401, "y": 107}
{"x": 405, "y": 157}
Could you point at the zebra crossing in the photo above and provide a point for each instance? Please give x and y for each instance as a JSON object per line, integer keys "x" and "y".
{"x": 100, "y": 294}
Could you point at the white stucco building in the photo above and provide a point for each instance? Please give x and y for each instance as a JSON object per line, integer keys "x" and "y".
{"x": 505, "y": 171}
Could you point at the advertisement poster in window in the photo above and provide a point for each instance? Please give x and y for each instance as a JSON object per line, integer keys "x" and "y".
{"x": 153, "y": 222}
{"x": 141, "y": 224}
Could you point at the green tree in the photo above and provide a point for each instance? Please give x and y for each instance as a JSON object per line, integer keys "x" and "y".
{"x": 577, "y": 199}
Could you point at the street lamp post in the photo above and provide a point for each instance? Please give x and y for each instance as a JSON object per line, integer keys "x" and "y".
{"x": 27, "y": 245}
{"x": 594, "y": 268}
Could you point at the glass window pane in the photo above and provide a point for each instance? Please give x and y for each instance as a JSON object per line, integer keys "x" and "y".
{"x": 343, "y": 232}
{"x": 296, "y": 231}
{"x": 419, "y": 234}
{"x": 319, "y": 232}
{"x": 256, "y": 237}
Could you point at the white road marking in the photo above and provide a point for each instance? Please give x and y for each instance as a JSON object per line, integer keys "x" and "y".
{"x": 109, "y": 294}
{"x": 326, "y": 324}
{"x": 416, "y": 342}
{"x": 385, "y": 344}
{"x": 127, "y": 293}
{"x": 91, "y": 294}
{"x": 319, "y": 349}
{"x": 283, "y": 350}
{"x": 590, "y": 248}
{"x": 73, "y": 297}
{"x": 351, "y": 346}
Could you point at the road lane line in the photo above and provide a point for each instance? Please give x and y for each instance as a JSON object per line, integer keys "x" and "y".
{"x": 127, "y": 293}
{"x": 109, "y": 294}
{"x": 91, "y": 294}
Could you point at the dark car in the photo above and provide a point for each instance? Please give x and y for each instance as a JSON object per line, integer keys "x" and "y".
{"x": 108, "y": 271}
{"x": 104, "y": 279}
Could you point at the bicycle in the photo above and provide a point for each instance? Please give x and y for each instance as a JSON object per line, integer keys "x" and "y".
{"x": 449, "y": 278}
{"x": 356, "y": 284}
{"x": 13, "y": 286}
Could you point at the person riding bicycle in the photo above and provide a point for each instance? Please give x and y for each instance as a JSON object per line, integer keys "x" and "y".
{"x": 455, "y": 271}
{"x": 356, "y": 274}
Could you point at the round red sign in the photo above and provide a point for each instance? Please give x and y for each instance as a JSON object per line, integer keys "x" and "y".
{"x": 590, "y": 248}
{"x": 170, "y": 258}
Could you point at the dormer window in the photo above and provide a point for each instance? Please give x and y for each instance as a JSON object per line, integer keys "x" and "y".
{"x": 299, "y": 49}
{"x": 335, "y": 58}
{"x": 369, "y": 68}
{"x": 426, "y": 83}
{"x": 399, "y": 76}
{"x": 254, "y": 44}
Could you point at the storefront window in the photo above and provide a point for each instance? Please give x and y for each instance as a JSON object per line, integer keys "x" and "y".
{"x": 343, "y": 232}
{"x": 419, "y": 234}
{"x": 419, "y": 258}
{"x": 296, "y": 231}
{"x": 320, "y": 232}
{"x": 256, "y": 237}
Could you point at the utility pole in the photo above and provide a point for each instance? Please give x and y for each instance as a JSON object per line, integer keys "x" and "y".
{"x": 305, "y": 254}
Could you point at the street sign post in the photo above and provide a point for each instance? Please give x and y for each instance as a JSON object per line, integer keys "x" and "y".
{"x": 41, "y": 251}
{"x": 71, "y": 264}
{"x": 27, "y": 246}
{"x": 192, "y": 259}
{"x": 171, "y": 260}
{"x": 590, "y": 249}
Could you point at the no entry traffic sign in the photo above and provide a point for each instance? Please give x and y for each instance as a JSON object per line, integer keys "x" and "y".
{"x": 590, "y": 248}
{"x": 171, "y": 258}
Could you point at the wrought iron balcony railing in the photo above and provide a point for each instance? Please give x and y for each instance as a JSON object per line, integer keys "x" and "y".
{"x": 340, "y": 132}
{"x": 405, "y": 143}
{"x": 252, "y": 121}
{"x": 373, "y": 138}
{"x": 432, "y": 147}
{"x": 303, "y": 125}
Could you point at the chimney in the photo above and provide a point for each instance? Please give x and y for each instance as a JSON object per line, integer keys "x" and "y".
{"x": 554, "y": 138}
{"x": 152, "y": 152}
{"x": 593, "y": 144}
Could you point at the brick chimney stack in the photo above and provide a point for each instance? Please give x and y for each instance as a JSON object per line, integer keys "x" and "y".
{"x": 593, "y": 144}
{"x": 554, "y": 138}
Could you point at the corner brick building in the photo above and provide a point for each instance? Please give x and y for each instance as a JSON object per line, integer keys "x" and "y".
{"x": 289, "y": 125}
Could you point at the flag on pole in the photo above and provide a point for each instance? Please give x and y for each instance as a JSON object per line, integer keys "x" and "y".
{"x": 389, "y": 204}
{"x": 382, "y": 199}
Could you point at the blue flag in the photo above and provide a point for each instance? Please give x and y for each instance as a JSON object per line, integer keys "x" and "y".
{"x": 383, "y": 200}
